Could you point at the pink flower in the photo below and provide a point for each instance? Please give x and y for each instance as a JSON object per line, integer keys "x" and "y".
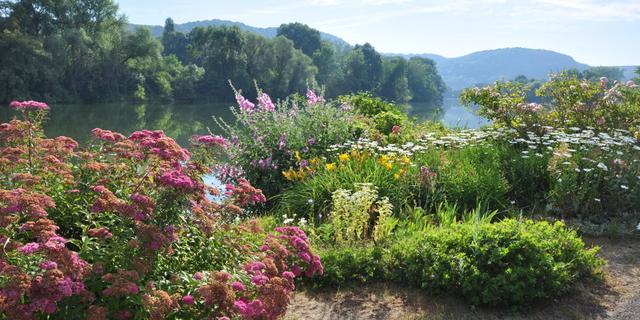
{"x": 305, "y": 257}
{"x": 313, "y": 99}
{"x": 198, "y": 276}
{"x": 282, "y": 142}
{"x": 238, "y": 286}
{"x": 289, "y": 275}
{"x": 29, "y": 248}
{"x": 259, "y": 279}
{"x": 100, "y": 233}
{"x": 245, "y": 104}
{"x": 133, "y": 289}
{"x": 264, "y": 102}
{"x": 56, "y": 243}
{"x": 48, "y": 265}
{"x": 28, "y": 105}
{"x": 297, "y": 270}
{"x": 211, "y": 141}
{"x": 188, "y": 299}
{"x": 252, "y": 309}
{"x": 254, "y": 267}
{"x": 107, "y": 135}
{"x": 176, "y": 179}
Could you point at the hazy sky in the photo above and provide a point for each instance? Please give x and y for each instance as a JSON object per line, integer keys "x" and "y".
{"x": 596, "y": 32}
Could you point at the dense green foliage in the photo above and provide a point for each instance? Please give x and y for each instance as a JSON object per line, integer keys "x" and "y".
{"x": 511, "y": 263}
{"x": 78, "y": 51}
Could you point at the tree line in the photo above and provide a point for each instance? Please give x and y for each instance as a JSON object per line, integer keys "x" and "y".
{"x": 82, "y": 51}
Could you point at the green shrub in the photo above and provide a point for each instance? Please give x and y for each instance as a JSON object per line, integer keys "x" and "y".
{"x": 347, "y": 265}
{"x": 507, "y": 263}
{"x": 368, "y": 105}
{"x": 386, "y": 121}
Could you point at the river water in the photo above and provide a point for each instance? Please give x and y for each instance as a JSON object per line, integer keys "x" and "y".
{"x": 181, "y": 121}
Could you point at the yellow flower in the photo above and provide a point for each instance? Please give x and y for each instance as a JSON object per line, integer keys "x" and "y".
{"x": 343, "y": 157}
{"x": 384, "y": 159}
{"x": 330, "y": 166}
{"x": 289, "y": 174}
{"x": 396, "y": 176}
{"x": 314, "y": 161}
{"x": 405, "y": 160}
{"x": 297, "y": 154}
{"x": 388, "y": 165}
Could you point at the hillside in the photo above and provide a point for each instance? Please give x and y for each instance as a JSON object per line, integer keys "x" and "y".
{"x": 269, "y": 32}
{"x": 488, "y": 66}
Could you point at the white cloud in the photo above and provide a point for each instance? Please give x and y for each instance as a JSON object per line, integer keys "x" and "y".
{"x": 592, "y": 9}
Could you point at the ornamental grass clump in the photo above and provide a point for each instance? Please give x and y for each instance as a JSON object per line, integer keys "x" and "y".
{"x": 126, "y": 229}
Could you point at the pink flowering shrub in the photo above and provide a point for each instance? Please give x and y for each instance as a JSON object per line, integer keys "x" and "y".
{"x": 567, "y": 102}
{"x": 126, "y": 229}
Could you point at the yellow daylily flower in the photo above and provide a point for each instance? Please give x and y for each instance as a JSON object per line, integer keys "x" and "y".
{"x": 330, "y": 166}
{"x": 343, "y": 157}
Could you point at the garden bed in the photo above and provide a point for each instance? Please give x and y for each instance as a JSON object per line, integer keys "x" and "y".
{"x": 618, "y": 297}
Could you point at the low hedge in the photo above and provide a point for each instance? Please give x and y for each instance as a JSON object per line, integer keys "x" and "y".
{"x": 510, "y": 262}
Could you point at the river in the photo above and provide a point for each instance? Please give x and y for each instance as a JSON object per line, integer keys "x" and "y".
{"x": 181, "y": 121}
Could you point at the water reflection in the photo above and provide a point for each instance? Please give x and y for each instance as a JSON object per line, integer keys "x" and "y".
{"x": 178, "y": 121}
{"x": 181, "y": 121}
{"x": 451, "y": 113}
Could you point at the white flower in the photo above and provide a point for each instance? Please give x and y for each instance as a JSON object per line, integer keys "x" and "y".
{"x": 596, "y": 199}
{"x": 602, "y": 166}
{"x": 624, "y": 187}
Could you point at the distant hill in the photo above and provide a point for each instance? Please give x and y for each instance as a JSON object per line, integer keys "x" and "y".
{"x": 485, "y": 67}
{"x": 270, "y": 32}
{"x": 629, "y": 72}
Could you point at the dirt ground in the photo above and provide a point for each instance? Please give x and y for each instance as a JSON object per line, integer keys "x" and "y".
{"x": 618, "y": 297}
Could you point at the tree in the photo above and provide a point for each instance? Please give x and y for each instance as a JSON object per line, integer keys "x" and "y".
{"x": 221, "y": 52}
{"x": 304, "y": 38}
{"x": 174, "y": 43}
{"x": 325, "y": 60}
{"x": 595, "y": 73}
{"x": 395, "y": 86}
{"x": 361, "y": 70}
{"x": 425, "y": 83}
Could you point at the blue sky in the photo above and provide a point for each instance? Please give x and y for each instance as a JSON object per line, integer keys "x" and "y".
{"x": 596, "y": 32}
